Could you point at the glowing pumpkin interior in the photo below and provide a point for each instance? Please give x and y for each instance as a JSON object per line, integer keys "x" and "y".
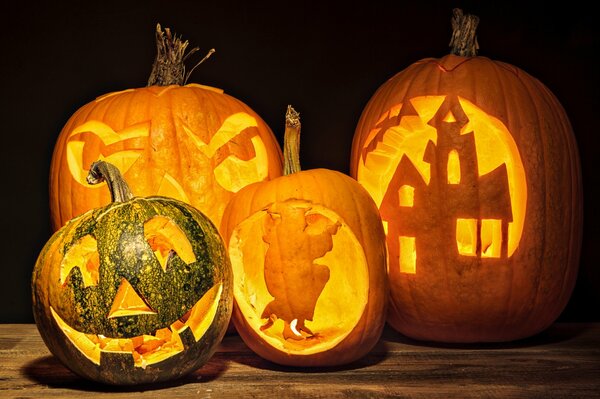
{"x": 299, "y": 276}
{"x": 165, "y": 239}
{"x": 443, "y": 162}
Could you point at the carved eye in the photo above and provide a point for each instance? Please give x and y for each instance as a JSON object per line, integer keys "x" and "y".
{"x": 233, "y": 173}
{"x": 95, "y": 140}
{"x": 83, "y": 255}
{"x": 165, "y": 239}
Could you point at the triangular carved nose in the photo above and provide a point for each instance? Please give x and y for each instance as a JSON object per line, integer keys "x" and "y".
{"x": 128, "y": 303}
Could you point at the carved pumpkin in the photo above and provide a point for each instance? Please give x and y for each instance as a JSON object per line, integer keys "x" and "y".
{"x": 136, "y": 292}
{"x": 189, "y": 142}
{"x": 308, "y": 257}
{"x": 475, "y": 170}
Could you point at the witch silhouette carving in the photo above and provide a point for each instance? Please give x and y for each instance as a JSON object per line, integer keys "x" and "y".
{"x": 295, "y": 239}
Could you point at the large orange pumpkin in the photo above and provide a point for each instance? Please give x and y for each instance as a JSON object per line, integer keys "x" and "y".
{"x": 189, "y": 142}
{"x": 475, "y": 170}
{"x": 308, "y": 257}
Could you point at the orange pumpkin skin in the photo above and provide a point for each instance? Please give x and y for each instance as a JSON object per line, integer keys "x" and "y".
{"x": 342, "y": 196}
{"x": 470, "y": 296}
{"x": 193, "y": 143}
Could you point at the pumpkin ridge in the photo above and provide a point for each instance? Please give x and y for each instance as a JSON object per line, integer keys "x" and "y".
{"x": 373, "y": 291}
{"x": 533, "y": 103}
{"x": 124, "y": 120}
{"x": 507, "y": 317}
{"x": 547, "y": 99}
{"x": 576, "y": 191}
{"x": 176, "y": 146}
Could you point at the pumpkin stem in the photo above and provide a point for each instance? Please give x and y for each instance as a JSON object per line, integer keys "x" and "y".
{"x": 464, "y": 37}
{"x": 169, "y": 64}
{"x": 103, "y": 171}
{"x": 291, "y": 142}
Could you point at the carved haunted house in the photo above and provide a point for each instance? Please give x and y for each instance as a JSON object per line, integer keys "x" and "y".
{"x": 459, "y": 215}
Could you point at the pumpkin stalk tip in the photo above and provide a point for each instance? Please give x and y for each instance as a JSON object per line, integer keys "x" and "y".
{"x": 464, "y": 35}
{"x": 207, "y": 56}
{"x": 101, "y": 171}
{"x": 291, "y": 142}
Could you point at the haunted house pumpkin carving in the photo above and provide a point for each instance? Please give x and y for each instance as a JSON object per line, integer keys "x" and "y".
{"x": 475, "y": 168}
{"x": 475, "y": 210}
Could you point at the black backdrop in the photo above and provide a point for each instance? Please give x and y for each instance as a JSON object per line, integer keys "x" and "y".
{"x": 325, "y": 58}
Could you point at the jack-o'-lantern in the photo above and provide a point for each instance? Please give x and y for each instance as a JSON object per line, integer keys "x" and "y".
{"x": 136, "y": 292}
{"x": 190, "y": 142}
{"x": 308, "y": 257}
{"x": 475, "y": 170}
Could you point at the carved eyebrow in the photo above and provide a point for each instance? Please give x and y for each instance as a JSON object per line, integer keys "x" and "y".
{"x": 165, "y": 237}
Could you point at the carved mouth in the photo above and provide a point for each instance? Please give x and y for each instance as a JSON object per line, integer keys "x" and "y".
{"x": 149, "y": 349}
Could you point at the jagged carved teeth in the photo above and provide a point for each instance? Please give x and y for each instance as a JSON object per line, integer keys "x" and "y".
{"x": 149, "y": 348}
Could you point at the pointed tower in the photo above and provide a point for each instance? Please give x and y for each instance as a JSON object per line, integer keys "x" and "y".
{"x": 474, "y": 227}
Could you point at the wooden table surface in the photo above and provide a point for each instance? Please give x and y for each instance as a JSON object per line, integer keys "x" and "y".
{"x": 563, "y": 361}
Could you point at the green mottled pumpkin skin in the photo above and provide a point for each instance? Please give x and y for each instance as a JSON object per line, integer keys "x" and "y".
{"x": 124, "y": 253}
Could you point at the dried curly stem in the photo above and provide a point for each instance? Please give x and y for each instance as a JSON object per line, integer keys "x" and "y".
{"x": 169, "y": 64}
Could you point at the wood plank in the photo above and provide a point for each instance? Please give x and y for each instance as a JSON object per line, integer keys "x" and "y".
{"x": 564, "y": 361}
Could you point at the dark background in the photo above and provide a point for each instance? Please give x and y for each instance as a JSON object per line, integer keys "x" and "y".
{"x": 326, "y": 60}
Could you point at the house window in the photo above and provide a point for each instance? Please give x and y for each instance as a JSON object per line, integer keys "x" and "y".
{"x": 453, "y": 167}
{"x": 466, "y": 236}
{"x": 408, "y": 255}
{"x": 491, "y": 238}
{"x": 406, "y": 194}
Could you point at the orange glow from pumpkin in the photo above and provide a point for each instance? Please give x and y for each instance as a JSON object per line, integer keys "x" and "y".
{"x": 300, "y": 315}
{"x": 406, "y": 194}
{"x": 84, "y": 255}
{"x": 449, "y": 118}
{"x": 165, "y": 236}
{"x": 233, "y": 173}
{"x": 491, "y": 238}
{"x": 102, "y": 137}
{"x": 466, "y": 236}
{"x": 410, "y": 133}
{"x": 148, "y": 349}
{"x": 127, "y": 302}
{"x": 453, "y": 168}
{"x": 408, "y": 255}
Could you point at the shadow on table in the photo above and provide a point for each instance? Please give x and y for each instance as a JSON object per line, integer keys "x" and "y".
{"x": 554, "y": 334}
{"x": 50, "y": 371}
{"x": 378, "y": 354}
